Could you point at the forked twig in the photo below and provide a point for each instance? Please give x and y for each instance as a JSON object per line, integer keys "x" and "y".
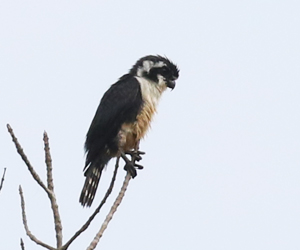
{"x": 28, "y": 232}
{"x": 25, "y": 159}
{"x": 49, "y": 189}
{"x": 108, "y": 192}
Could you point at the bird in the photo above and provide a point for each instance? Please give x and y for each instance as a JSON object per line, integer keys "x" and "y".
{"x": 123, "y": 118}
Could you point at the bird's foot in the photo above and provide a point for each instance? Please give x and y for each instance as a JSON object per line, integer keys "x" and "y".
{"x": 130, "y": 165}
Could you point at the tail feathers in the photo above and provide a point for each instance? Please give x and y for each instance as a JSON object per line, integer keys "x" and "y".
{"x": 89, "y": 189}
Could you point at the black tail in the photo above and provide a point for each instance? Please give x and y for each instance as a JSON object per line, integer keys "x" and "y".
{"x": 93, "y": 175}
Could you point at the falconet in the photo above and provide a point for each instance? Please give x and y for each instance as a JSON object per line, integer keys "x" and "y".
{"x": 123, "y": 118}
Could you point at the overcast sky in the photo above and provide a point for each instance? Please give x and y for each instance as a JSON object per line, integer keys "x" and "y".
{"x": 222, "y": 169}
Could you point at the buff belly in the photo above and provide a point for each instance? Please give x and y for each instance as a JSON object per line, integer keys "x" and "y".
{"x": 131, "y": 133}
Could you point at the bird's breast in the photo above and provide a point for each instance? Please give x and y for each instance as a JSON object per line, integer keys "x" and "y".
{"x": 131, "y": 133}
{"x": 144, "y": 119}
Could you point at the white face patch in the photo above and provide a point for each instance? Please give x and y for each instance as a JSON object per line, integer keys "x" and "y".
{"x": 148, "y": 65}
{"x": 159, "y": 64}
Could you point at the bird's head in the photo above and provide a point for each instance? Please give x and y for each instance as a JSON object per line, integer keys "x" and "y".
{"x": 158, "y": 69}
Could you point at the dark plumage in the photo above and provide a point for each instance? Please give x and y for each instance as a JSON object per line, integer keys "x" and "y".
{"x": 123, "y": 116}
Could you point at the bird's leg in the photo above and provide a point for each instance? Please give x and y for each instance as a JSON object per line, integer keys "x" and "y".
{"x": 130, "y": 165}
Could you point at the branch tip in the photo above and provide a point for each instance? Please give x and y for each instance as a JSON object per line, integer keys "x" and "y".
{"x": 2, "y": 179}
{"x": 22, "y": 244}
{"x": 45, "y": 135}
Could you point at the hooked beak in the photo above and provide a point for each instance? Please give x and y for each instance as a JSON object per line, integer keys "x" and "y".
{"x": 171, "y": 84}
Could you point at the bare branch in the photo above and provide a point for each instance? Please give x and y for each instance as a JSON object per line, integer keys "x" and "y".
{"x": 111, "y": 212}
{"x": 22, "y": 244}
{"x": 2, "y": 180}
{"x": 49, "y": 189}
{"x": 30, "y": 235}
{"x": 48, "y": 161}
{"x": 51, "y": 194}
{"x": 108, "y": 192}
{"x": 25, "y": 159}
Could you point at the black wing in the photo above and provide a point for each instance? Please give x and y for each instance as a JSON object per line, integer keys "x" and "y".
{"x": 120, "y": 104}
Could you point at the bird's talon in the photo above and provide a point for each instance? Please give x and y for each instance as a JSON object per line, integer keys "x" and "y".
{"x": 136, "y": 155}
{"x": 137, "y": 158}
{"x": 139, "y": 166}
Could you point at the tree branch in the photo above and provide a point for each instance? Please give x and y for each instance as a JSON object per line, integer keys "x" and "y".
{"x": 25, "y": 159}
{"x": 111, "y": 213}
{"x": 49, "y": 189}
{"x": 108, "y": 192}
{"x": 48, "y": 162}
{"x": 22, "y": 244}
{"x": 115, "y": 205}
{"x": 2, "y": 180}
{"x": 30, "y": 235}
{"x": 51, "y": 194}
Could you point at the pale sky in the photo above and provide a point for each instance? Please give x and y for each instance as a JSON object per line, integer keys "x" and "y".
{"x": 222, "y": 169}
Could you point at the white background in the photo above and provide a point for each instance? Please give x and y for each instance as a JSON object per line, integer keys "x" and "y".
{"x": 222, "y": 163}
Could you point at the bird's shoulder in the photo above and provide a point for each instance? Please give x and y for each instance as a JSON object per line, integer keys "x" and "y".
{"x": 126, "y": 88}
{"x": 119, "y": 104}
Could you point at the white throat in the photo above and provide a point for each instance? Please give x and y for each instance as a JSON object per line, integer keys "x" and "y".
{"x": 151, "y": 91}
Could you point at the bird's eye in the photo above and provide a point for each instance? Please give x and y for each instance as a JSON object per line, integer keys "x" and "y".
{"x": 164, "y": 69}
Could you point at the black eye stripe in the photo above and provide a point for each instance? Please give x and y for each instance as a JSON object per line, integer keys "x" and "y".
{"x": 165, "y": 69}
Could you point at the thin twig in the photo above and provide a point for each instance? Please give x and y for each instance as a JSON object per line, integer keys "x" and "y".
{"x": 51, "y": 194}
{"x": 48, "y": 162}
{"x": 108, "y": 192}
{"x": 48, "y": 190}
{"x": 30, "y": 235}
{"x": 111, "y": 213}
{"x": 25, "y": 159}
{"x": 2, "y": 180}
{"x": 22, "y": 244}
